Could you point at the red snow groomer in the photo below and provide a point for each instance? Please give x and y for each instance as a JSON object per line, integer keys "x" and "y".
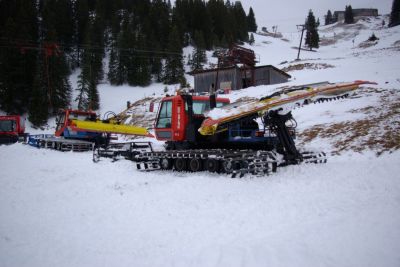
{"x": 12, "y": 129}
{"x": 243, "y": 137}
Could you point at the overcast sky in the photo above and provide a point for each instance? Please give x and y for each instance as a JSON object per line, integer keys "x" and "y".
{"x": 287, "y": 13}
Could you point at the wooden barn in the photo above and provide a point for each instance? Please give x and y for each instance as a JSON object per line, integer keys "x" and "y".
{"x": 234, "y": 77}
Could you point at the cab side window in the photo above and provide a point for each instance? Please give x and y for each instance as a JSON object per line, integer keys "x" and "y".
{"x": 165, "y": 117}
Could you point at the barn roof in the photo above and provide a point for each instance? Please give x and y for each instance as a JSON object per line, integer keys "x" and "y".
{"x": 193, "y": 73}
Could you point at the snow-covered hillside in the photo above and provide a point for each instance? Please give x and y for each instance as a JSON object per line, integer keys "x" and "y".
{"x": 61, "y": 209}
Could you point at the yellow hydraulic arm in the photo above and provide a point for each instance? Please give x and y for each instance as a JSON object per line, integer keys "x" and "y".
{"x": 108, "y": 127}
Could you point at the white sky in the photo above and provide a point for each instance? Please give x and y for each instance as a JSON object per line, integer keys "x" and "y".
{"x": 287, "y": 13}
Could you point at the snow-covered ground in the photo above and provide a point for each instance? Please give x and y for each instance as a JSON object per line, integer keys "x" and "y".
{"x": 60, "y": 209}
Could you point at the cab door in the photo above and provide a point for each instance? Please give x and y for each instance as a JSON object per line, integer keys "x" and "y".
{"x": 163, "y": 126}
{"x": 171, "y": 119}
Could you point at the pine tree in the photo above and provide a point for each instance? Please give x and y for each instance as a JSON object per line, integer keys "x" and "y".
{"x": 116, "y": 74}
{"x": 218, "y": 14}
{"x": 241, "y": 22}
{"x": 373, "y": 38}
{"x": 88, "y": 97}
{"x": 120, "y": 57}
{"x": 140, "y": 74}
{"x": 251, "y": 39}
{"x": 201, "y": 22}
{"x": 55, "y": 70}
{"x": 10, "y": 72}
{"x": 59, "y": 87}
{"x": 312, "y": 37}
{"x": 348, "y": 15}
{"x": 81, "y": 20}
{"x": 132, "y": 61}
{"x": 38, "y": 113}
{"x": 91, "y": 69}
{"x": 96, "y": 28}
{"x": 173, "y": 71}
{"x": 64, "y": 23}
{"x": 18, "y": 55}
{"x": 83, "y": 92}
{"x": 251, "y": 21}
{"x": 230, "y": 27}
{"x": 159, "y": 17}
{"x": 229, "y": 23}
{"x": 199, "y": 55}
{"x": 38, "y": 106}
{"x": 156, "y": 59}
{"x": 395, "y": 14}
{"x": 328, "y": 18}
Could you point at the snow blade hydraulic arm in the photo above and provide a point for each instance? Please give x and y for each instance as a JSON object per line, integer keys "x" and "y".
{"x": 277, "y": 124}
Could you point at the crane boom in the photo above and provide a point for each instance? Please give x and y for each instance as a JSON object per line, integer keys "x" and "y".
{"x": 108, "y": 127}
{"x": 218, "y": 120}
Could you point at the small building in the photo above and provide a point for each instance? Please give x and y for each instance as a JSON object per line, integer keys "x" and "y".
{"x": 234, "y": 77}
{"x": 357, "y": 12}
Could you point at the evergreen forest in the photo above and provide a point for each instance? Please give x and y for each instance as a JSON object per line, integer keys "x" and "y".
{"x": 43, "y": 41}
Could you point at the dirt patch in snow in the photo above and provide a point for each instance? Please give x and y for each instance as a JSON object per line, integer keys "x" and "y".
{"x": 327, "y": 41}
{"x": 271, "y": 34}
{"x": 345, "y": 27}
{"x": 379, "y": 132}
{"x": 340, "y": 31}
{"x": 367, "y": 44}
{"x": 310, "y": 66}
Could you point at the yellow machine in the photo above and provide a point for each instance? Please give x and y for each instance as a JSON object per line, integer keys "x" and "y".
{"x": 79, "y": 130}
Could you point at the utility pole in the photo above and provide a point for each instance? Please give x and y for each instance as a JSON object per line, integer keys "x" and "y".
{"x": 276, "y": 29}
{"x": 303, "y": 27}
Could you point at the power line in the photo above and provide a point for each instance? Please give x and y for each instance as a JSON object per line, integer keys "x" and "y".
{"x": 29, "y": 44}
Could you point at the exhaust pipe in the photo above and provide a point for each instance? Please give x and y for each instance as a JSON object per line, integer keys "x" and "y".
{"x": 213, "y": 101}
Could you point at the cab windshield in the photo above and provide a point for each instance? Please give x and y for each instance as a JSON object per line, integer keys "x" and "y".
{"x": 165, "y": 116}
{"x": 201, "y": 106}
{"x": 81, "y": 117}
{"x": 7, "y": 125}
